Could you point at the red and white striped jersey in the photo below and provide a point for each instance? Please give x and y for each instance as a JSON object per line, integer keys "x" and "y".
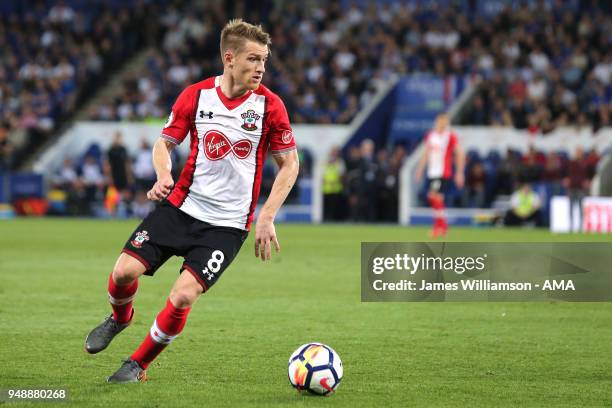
{"x": 441, "y": 147}
{"x": 229, "y": 139}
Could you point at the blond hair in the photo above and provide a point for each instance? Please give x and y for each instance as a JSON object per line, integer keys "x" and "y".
{"x": 237, "y": 31}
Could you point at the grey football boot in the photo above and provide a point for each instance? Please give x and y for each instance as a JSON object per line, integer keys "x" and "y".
{"x": 100, "y": 337}
{"x": 129, "y": 372}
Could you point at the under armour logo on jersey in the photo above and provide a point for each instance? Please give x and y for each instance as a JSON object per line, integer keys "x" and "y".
{"x": 209, "y": 114}
{"x": 217, "y": 146}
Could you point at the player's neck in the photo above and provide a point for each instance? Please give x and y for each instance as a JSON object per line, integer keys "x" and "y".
{"x": 230, "y": 89}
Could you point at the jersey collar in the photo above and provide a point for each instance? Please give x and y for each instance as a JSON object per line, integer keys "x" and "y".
{"x": 230, "y": 103}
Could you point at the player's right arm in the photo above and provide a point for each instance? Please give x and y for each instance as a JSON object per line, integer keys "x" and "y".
{"x": 175, "y": 130}
{"x": 163, "y": 168}
{"x": 423, "y": 162}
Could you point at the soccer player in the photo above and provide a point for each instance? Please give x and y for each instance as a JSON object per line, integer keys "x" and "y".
{"x": 205, "y": 217}
{"x": 441, "y": 145}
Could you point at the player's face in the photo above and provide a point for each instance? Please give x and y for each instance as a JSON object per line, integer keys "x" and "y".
{"x": 249, "y": 64}
{"x": 441, "y": 123}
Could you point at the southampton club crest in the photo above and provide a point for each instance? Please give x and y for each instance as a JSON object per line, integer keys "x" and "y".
{"x": 141, "y": 238}
{"x": 250, "y": 118}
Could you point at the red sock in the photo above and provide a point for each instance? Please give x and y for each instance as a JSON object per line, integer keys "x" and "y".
{"x": 166, "y": 327}
{"x": 437, "y": 204}
{"x": 121, "y": 298}
{"x": 437, "y": 222}
{"x": 443, "y": 223}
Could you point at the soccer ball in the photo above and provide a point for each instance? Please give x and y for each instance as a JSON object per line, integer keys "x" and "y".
{"x": 316, "y": 368}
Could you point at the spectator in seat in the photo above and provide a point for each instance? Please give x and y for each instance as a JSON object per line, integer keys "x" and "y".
{"x": 577, "y": 184}
{"x": 474, "y": 193}
{"x": 525, "y": 207}
{"x": 144, "y": 173}
{"x": 531, "y": 170}
{"x": 93, "y": 182}
{"x": 333, "y": 197}
{"x": 367, "y": 187}
{"x": 119, "y": 168}
{"x": 67, "y": 180}
{"x": 553, "y": 172}
{"x": 388, "y": 183}
{"x": 66, "y": 177}
{"x": 141, "y": 207}
{"x": 6, "y": 149}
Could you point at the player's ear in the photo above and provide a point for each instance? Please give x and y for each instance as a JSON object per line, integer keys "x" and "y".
{"x": 228, "y": 58}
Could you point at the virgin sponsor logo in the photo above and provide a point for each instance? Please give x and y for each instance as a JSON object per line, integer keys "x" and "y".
{"x": 287, "y": 136}
{"x": 217, "y": 146}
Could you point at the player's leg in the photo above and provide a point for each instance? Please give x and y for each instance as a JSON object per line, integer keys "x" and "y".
{"x": 122, "y": 286}
{"x": 202, "y": 268}
{"x": 436, "y": 200}
{"x": 167, "y": 326}
{"x": 143, "y": 253}
{"x": 441, "y": 213}
{"x": 170, "y": 321}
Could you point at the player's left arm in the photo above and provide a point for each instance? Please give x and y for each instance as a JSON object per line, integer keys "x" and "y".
{"x": 460, "y": 165}
{"x": 265, "y": 233}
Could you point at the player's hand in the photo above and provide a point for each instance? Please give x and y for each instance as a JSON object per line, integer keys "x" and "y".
{"x": 265, "y": 236}
{"x": 459, "y": 180}
{"x": 161, "y": 188}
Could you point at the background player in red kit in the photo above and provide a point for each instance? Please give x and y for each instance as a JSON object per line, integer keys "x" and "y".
{"x": 441, "y": 145}
{"x": 205, "y": 217}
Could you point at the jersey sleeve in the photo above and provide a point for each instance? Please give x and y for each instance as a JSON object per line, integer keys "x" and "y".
{"x": 281, "y": 134}
{"x": 453, "y": 141}
{"x": 181, "y": 117}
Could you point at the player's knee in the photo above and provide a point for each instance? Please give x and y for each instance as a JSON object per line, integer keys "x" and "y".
{"x": 184, "y": 296}
{"x": 124, "y": 275}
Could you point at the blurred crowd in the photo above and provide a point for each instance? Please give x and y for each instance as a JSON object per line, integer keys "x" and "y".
{"x": 541, "y": 64}
{"x": 494, "y": 175}
{"x": 114, "y": 182}
{"x": 53, "y": 55}
{"x": 103, "y": 183}
{"x": 362, "y": 184}
{"x": 543, "y": 67}
{"x": 313, "y": 65}
{"x": 544, "y": 63}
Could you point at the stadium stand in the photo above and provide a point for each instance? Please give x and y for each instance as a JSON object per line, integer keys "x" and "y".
{"x": 56, "y": 54}
{"x": 538, "y": 66}
{"x": 534, "y": 67}
{"x": 543, "y": 68}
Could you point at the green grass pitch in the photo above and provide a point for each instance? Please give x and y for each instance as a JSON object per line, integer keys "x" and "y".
{"x": 234, "y": 349}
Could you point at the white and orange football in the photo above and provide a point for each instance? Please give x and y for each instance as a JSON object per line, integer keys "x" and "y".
{"x": 316, "y": 368}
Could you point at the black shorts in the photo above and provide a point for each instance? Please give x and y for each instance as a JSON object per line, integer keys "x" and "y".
{"x": 207, "y": 249}
{"x": 439, "y": 185}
